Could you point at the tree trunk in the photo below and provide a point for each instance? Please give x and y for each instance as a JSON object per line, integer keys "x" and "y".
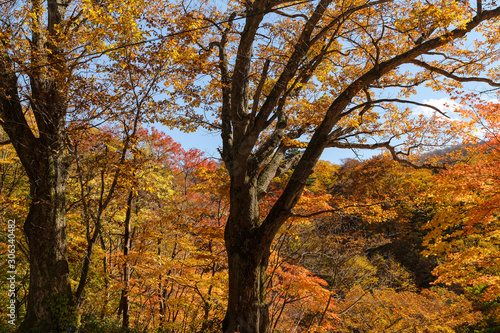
{"x": 124, "y": 302}
{"x": 42, "y": 153}
{"x": 50, "y": 300}
{"x": 248, "y": 310}
{"x": 248, "y": 257}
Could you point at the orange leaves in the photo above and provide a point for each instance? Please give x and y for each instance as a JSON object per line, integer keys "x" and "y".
{"x": 465, "y": 230}
{"x": 297, "y": 280}
{"x": 299, "y": 299}
{"x": 176, "y": 256}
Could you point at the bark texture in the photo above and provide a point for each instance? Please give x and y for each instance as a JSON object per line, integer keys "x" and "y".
{"x": 247, "y": 259}
{"x": 50, "y": 301}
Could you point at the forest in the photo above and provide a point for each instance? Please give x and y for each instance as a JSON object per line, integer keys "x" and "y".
{"x": 109, "y": 225}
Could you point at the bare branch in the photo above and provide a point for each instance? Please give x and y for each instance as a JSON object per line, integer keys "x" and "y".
{"x": 390, "y": 148}
{"x": 335, "y": 210}
{"x": 279, "y": 12}
{"x": 344, "y": 15}
{"x": 395, "y": 100}
{"x": 353, "y": 304}
{"x": 453, "y": 76}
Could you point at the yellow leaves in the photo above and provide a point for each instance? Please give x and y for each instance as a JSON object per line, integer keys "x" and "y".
{"x": 465, "y": 231}
{"x": 113, "y": 24}
{"x": 323, "y": 176}
{"x": 156, "y": 182}
{"x": 294, "y": 143}
{"x": 441, "y": 15}
{"x": 473, "y": 266}
{"x": 436, "y": 310}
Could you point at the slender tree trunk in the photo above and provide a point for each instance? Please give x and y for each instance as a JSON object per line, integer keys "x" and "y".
{"x": 105, "y": 273}
{"x": 126, "y": 269}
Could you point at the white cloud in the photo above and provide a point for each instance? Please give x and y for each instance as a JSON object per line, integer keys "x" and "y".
{"x": 445, "y": 105}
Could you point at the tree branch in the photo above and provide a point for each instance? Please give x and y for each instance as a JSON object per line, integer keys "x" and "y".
{"x": 453, "y": 76}
{"x": 389, "y": 147}
{"x": 395, "y": 100}
{"x": 328, "y": 211}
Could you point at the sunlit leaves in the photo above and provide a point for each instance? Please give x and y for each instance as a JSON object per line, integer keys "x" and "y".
{"x": 435, "y": 310}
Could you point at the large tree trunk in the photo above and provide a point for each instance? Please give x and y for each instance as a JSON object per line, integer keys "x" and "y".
{"x": 248, "y": 257}
{"x": 248, "y": 310}
{"x": 50, "y": 300}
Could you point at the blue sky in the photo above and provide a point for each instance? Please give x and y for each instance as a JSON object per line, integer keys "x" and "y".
{"x": 209, "y": 142}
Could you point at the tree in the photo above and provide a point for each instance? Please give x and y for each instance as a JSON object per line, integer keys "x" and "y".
{"x": 158, "y": 258}
{"x": 42, "y": 153}
{"x": 13, "y": 202}
{"x": 43, "y": 50}
{"x": 317, "y": 72}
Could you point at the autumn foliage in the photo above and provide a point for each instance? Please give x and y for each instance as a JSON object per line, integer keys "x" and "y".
{"x": 121, "y": 229}
{"x": 340, "y": 264}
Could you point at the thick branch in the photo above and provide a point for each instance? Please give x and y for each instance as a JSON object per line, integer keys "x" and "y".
{"x": 275, "y": 168}
{"x": 227, "y": 133}
{"x": 267, "y": 148}
{"x": 239, "y": 88}
{"x": 12, "y": 117}
{"x": 302, "y": 47}
{"x": 258, "y": 91}
{"x": 281, "y": 210}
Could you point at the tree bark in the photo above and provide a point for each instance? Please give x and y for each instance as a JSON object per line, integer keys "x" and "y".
{"x": 50, "y": 300}
{"x": 44, "y": 161}
{"x": 248, "y": 257}
{"x": 248, "y": 310}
